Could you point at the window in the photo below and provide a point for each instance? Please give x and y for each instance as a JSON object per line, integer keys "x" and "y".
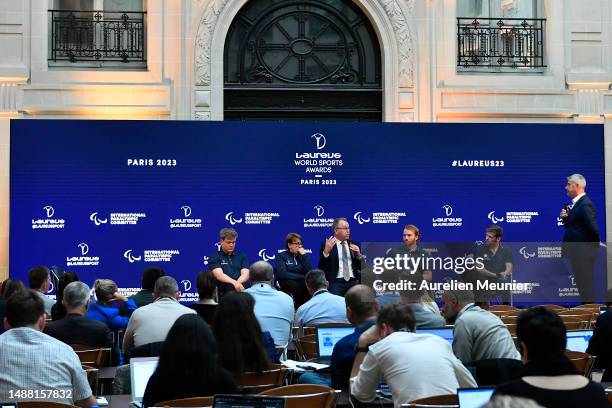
{"x": 500, "y": 36}
{"x": 97, "y": 34}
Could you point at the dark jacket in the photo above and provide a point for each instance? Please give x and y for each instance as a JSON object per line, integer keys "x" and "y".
{"x": 291, "y": 266}
{"x": 581, "y": 226}
{"x": 331, "y": 264}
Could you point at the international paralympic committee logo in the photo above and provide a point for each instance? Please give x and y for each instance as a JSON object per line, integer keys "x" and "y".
{"x": 319, "y": 140}
{"x": 131, "y": 258}
{"x": 264, "y": 256}
{"x": 230, "y": 217}
{"x": 493, "y": 218}
{"x": 97, "y": 220}
{"x": 361, "y": 220}
{"x": 526, "y": 255}
{"x": 320, "y": 210}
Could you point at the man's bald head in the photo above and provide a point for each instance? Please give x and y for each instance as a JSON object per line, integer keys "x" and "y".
{"x": 361, "y": 301}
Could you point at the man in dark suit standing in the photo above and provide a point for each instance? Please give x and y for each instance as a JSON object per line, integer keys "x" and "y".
{"x": 340, "y": 258}
{"x": 75, "y": 328}
{"x": 581, "y": 237}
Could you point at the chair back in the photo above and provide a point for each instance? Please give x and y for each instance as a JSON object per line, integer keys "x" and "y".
{"x": 509, "y": 319}
{"x": 502, "y": 308}
{"x": 305, "y": 395}
{"x": 306, "y": 330}
{"x": 447, "y": 400}
{"x": 92, "y": 377}
{"x": 555, "y": 308}
{"x": 93, "y": 356}
{"x": 187, "y": 402}
{"x": 258, "y": 382}
{"x": 574, "y": 322}
{"x": 43, "y": 404}
{"x": 306, "y": 347}
{"x": 332, "y": 324}
{"x": 582, "y": 361}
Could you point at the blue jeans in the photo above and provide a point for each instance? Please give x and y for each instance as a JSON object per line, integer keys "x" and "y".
{"x": 314, "y": 378}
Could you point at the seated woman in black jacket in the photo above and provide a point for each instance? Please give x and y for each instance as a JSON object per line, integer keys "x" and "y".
{"x": 292, "y": 266}
{"x": 188, "y": 364}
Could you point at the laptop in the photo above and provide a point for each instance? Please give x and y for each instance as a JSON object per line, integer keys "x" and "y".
{"x": 327, "y": 337}
{"x": 474, "y": 397}
{"x": 248, "y": 401}
{"x": 445, "y": 332}
{"x": 141, "y": 369}
{"x": 578, "y": 340}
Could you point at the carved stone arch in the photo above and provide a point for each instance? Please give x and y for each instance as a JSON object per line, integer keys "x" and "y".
{"x": 391, "y": 20}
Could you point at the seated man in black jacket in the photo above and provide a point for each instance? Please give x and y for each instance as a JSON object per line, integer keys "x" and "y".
{"x": 75, "y": 328}
{"x": 550, "y": 378}
{"x": 600, "y": 344}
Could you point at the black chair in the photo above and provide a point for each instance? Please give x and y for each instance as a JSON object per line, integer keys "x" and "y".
{"x": 146, "y": 350}
{"x": 495, "y": 371}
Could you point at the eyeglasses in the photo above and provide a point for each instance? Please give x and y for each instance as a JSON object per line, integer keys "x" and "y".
{"x": 295, "y": 243}
{"x": 343, "y": 228}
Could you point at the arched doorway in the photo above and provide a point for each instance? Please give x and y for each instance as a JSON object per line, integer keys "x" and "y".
{"x": 308, "y": 60}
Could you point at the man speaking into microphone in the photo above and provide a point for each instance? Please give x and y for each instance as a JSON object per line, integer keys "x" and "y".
{"x": 340, "y": 258}
{"x": 581, "y": 237}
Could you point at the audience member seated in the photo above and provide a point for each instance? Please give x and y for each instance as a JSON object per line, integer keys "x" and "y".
{"x": 106, "y": 309}
{"x": 361, "y": 310}
{"x": 413, "y": 365}
{"x": 206, "y": 305}
{"x": 75, "y": 328}
{"x": 600, "y": 344}
{"x": 478, "y": 334}
{"x": 242, "y": 345}
{"x": 9, "y": 287}
{"x": 550, "y": 378}
{"x": 149, "y": 277}
{"x": 323, "y": 307}
{"x": 419, "y": 301}
{"x": 291, "y": 268}
{"x": 188, "y": 364}
{"x": 273, "y": 308}
{"x": 151, "y": 323}
{"x": 31, "y": 360}
{"x": 58, "y": 310}
{"x": 39, "y": 279}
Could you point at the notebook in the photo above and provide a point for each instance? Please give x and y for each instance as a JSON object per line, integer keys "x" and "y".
{"x": 445, "y": 332}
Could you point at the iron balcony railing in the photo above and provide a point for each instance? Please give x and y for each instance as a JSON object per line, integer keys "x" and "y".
{"x": 506, "y": 44}
{"x": 100, "y": 36}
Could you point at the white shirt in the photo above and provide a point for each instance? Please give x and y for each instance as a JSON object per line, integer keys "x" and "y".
{"x": 341, "y": 257}
{"x": 413, "y": 365}
{"x": 578, "y": 197}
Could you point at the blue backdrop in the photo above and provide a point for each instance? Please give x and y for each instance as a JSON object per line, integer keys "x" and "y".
{"x": 108, "y": 198}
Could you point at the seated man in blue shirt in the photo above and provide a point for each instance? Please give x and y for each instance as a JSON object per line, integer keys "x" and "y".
{"x": 361, "y": 309}
{"x": 323, "y": 307}
{"x": 229, "y": 267}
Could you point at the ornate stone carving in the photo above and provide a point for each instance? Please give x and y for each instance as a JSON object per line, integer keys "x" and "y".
{"x": 204, "y": 39}
{"x": 403, "y": 37}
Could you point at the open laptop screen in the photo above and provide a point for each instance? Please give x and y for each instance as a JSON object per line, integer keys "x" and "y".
{"x": 141, "y": 369}
{"x": 445, "y": 332}
{"x": 578, "y": 340}
{"x": 327, "y": 337}
{"x": 474, "y": 397}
